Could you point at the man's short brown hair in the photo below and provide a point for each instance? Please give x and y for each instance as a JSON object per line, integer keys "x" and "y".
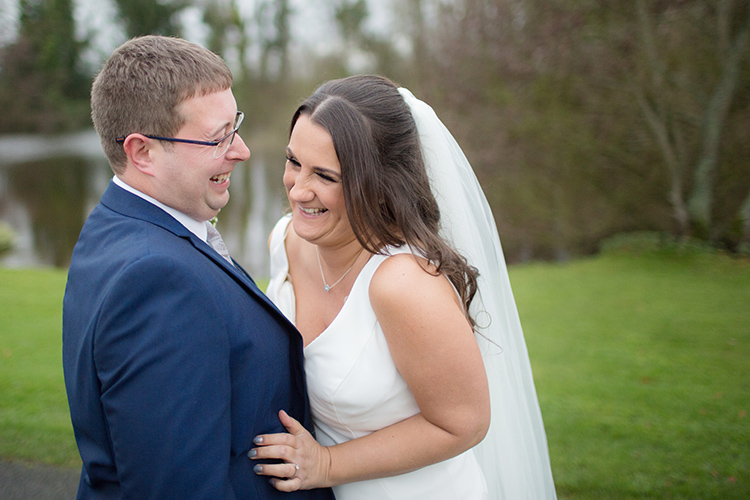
{"x": 143, "y": 82}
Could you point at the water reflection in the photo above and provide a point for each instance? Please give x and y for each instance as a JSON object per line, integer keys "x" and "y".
{"x": 50, "y": 198}
{"x": 48, "y": 186}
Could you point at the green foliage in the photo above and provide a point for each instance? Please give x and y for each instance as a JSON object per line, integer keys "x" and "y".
{"x": 350, "y": 18}
{"x": 651, "y": 242}
{"x": 6, "y": 238}
{"x": 42, "y": 88}
{"x": 146, "y": 17}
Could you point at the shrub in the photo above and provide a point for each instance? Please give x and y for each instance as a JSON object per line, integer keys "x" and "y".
{"x": 645, "y": 242}
{"x": 7, "y": 237}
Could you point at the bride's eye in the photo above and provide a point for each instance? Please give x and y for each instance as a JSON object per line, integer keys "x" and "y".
{"x": 292, "y": 160}
{"x": 326, "y": 177}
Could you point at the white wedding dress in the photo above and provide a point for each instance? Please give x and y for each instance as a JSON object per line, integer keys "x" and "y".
{"x": 355, "y": 389}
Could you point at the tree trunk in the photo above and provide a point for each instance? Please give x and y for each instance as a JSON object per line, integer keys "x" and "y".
{"x": 714, "y": 119}
{"x": 657, "y": 119}
{"x": 660, "y": 128}
{"x": 744, "y": 216}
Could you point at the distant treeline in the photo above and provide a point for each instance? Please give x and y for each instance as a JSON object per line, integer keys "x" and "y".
{"x": 582, "y": 119}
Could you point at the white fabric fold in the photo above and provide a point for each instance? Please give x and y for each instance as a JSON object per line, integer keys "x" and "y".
{"x": 514, "y": 455}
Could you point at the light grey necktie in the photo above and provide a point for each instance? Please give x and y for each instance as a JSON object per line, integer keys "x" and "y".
{"x": 217, "y": 243}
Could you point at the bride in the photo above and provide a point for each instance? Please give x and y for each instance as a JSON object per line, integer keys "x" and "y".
{"x": 391, "y": 268}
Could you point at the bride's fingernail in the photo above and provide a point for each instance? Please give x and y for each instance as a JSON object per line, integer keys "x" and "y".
{"x": 258, "y": 469}
{"x": 251, "y": 453}
{"x": 258, "y": 440}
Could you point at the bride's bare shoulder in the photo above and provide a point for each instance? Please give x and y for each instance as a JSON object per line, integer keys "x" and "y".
{"x": 404, "y": 279}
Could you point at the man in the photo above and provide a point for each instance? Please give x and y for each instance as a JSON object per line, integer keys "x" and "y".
{"x": 174, "y": 360}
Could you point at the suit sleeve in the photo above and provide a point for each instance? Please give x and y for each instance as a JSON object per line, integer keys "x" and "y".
{"x": 162, "y": 354}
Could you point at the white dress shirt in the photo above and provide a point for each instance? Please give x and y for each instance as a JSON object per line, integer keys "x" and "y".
{"x": 198, "y": 228}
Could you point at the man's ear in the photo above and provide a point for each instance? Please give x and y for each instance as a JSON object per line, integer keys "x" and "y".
{"x": 140, "y": 152}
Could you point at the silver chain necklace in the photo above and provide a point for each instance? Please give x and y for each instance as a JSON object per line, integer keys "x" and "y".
{"x": 326, "y": 286}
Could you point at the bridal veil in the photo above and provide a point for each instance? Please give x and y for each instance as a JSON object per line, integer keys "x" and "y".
{"x": 513, "y": 456}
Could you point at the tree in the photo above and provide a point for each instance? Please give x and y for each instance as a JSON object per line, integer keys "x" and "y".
{"x": 683, "y": 105}
{"x": 570, "y": 112}
{"x": 512, "y": 79}
{"x": 148, "y": 17}
{"x": 42, "y": 87}
{"x": 375, "y": 52}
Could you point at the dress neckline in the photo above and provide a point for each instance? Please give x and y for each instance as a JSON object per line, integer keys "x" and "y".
{"x": 355, "y": 285}
{"x": 372, "y": 260}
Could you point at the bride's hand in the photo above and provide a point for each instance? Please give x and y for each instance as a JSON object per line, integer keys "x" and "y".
{"x": 306, "y": 463}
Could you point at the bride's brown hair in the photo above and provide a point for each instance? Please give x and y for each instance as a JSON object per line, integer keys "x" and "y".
{"x": 386, "y": 189}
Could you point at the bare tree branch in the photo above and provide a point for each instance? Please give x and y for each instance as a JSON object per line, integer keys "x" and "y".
{"x": 701, "y": 199}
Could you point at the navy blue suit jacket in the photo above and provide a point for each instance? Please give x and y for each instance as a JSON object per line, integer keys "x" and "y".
{"x": 174, "y": 360}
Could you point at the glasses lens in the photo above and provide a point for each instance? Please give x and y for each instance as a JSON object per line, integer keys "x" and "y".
{"x": 223, "y": 146}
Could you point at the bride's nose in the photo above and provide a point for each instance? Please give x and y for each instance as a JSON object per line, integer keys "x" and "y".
{"x": 298, "y": 187}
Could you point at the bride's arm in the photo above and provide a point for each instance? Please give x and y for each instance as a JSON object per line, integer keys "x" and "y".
{"x": 434, "y": 349}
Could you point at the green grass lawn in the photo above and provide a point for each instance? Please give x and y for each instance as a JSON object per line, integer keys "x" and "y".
{"x": 642, "y": 366}
{"x": 34, "y": 419}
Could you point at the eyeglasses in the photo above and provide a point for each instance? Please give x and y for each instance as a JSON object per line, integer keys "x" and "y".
{"x": 222, "y": 145}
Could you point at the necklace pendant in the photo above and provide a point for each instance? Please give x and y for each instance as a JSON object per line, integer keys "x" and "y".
{"x": 326, "y": 286}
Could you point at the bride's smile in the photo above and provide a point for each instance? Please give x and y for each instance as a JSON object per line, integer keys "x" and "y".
{"x": 312, "y": 177}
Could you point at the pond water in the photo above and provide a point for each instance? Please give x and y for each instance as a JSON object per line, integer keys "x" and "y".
{"x": 49, "y": 185}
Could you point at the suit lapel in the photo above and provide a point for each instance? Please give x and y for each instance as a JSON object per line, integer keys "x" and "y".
{"x": 130, "y": 205}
